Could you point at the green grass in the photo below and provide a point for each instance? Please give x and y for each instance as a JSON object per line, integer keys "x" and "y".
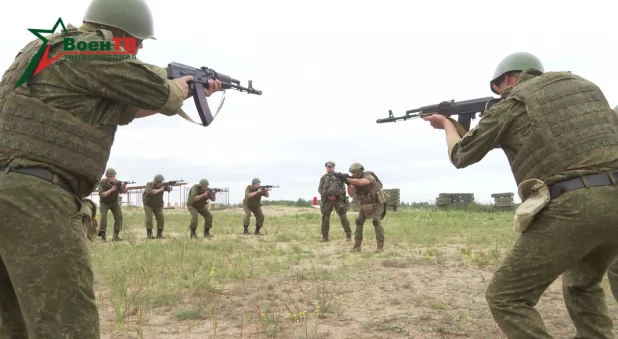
{"x": 429, "y": 281}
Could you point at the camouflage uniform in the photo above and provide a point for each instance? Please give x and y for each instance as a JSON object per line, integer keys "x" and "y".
{"x": 372, "y": 200}
{"x": 56, "y": 133}
{"x": 200, "y": 207}
{"x": 253, "y": 205}
{"x": 553, "y": 127}
{"x": 110, "y": 202}
{"x": 612, "y": 271}
{"x": 153, "y": 205}
{"x": 340, "y": 204}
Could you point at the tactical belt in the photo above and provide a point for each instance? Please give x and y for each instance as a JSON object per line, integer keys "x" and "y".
{"x": 592, "y": 180}
{"x": 42, "y": 173}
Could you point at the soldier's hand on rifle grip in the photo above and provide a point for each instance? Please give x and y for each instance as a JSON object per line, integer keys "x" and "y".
{"x": 183, "y": 83}
{"x": 114, "y": 188}
{"x": 213, "y": 86}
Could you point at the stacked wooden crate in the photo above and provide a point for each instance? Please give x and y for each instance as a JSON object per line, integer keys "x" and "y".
{"x": 394, "y": 201}
{"x": 445, "y": 200}
{"x": 503, "y": 201}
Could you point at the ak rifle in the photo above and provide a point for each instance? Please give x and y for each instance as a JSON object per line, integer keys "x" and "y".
{"x": 465, "y": 111}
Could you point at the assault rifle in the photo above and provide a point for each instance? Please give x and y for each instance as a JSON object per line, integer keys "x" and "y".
{"x": 118, "y": 184}
{"x": 169, "y": 185}
{"x": 200, "y": 82}
{"x": 264, "y": 187}
{"x": 466, "y": 110}
{"x": 217, "y": 190}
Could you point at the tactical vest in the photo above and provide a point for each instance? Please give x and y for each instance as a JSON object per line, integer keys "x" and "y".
{"x": 112, "y": 197}
{"x": 200, "y": 203}
{"x": 154, "y": 200}
{"x": 332, "y": 186}
{"x": 31, "y": 129}
{"x": 369, "y": 193}
{"x": 574, "y": 125}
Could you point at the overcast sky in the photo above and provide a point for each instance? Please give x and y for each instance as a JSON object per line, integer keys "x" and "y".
{"x": 328, "y": 71}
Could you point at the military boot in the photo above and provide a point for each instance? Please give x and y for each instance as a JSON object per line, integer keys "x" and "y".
{"x": 149, "y": 234}
{"x": 380, "y": 249}
{"x": 102, "y": 235}
{"x": 193, "y": 235}
{"x": 357, "y": 247}
{"x": 246, "y": 230}
{"x": 324, "y": 238}
{"x": 207, "y": 233}
{"x": 257, "y": 231}
{"x": 348, "y": 237}
{"x": 116, "y": 237}
{"x": 160, "y": 234}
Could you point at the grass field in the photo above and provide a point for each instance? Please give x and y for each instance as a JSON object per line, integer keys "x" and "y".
{"x": 428, "y": 283}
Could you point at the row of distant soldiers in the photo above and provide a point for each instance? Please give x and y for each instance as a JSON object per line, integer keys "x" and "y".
{"x": 152, "y": 200}
{"x": 364, "y": 185}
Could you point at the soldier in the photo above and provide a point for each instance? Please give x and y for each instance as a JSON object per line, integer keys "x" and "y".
{"x": 57, "y": 128}
{"x": 108, "y": 200}
{"x": 332, "y": 192}
{"x": 251, "y": 204}
{"x": 196, "y": 203}
{"x": 367, "y": 188}
{"x": 560, "y": 136}
{"x": 152, "y": 198}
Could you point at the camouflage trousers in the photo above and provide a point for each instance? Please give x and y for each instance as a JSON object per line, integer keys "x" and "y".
{"x": 257, "y": 212}
{"x": 46, "y": 278}
{"x": 612, "y": 276}
{"x": 327, "y": 208}
{"x": 204, "y": 212}
{"x": 574, "y": 236}
{"x": 116, "y": 212}
{"x": 376, "y": 220}
{"x": 158, "y": 214}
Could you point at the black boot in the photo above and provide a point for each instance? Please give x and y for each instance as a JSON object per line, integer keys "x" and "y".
{"x": 149, "y": 234}
{"x": 116, "y": 237}
{"x": 102, "y": 235}
{"x": 324, "y": 238}
{"x": 193, "y": 235}
{"x": 257, "y": 230}
{"x": 348, "y": 237}
{"x": 160, "y": 234}
{"x": 246, "y": 230}
{"x": 207, "y": 232}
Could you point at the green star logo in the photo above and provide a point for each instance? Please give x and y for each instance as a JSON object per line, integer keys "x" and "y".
{"x": 40, "y": 59}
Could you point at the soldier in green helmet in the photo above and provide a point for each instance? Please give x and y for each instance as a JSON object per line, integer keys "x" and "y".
{"x": 560, "y": 137}
{"x": 152, "y": 199}
{"x": 57, "y": 127}
{"x": 333, "y": 195}
{"x": 252, "y": 204}
{"x": 108, "y": 200}
{"x": 197, "y": 204}
{"x": 366, "y": 187}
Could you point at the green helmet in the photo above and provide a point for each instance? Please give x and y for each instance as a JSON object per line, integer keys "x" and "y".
{"x": 159, "y": 177}
{"x": 331, "y": 163}
{"x": 203, "y": 182}
{"x": 110, "y": 172}
{"x": 516, "y": 62}
{"x": 131, "y": 16}
{"x": 357, "y": 166}
{"x": 255, "y": 181}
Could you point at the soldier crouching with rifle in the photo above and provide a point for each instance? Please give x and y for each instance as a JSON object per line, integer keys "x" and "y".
{"x": 152, "y": 198}
{"x": 367, "y": 188}
{"x": 332, "y": 192}
{"x": 252, "y": 204}
{"x": 109, "y": 189}
{"x": 197, "y": 204}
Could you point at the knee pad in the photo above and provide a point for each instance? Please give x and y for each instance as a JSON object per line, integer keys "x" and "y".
{"x": 358, "y": 221}
{"x": 376, "y": 221}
